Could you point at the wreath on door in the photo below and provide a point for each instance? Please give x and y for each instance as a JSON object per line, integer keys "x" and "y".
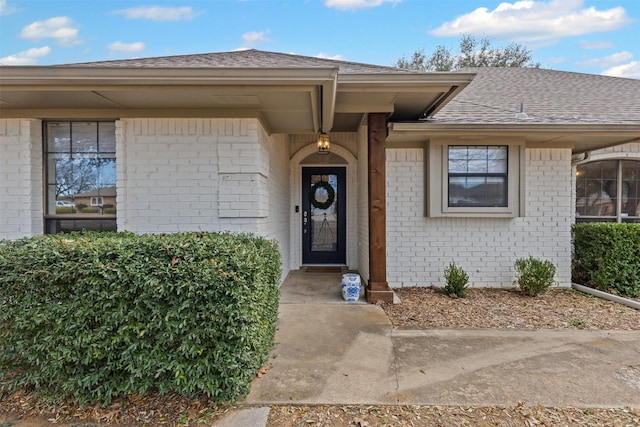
{"x": 331, "y": 195}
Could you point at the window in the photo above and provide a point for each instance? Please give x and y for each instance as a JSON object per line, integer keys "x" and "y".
{"x": 608, "y": 191}
{"x": 478, "y": 180}
{"x": 80, "y": 166}
{"x": 477, "y": 176}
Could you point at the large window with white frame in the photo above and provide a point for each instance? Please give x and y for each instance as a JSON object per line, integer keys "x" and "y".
{"x": 475, "y": 179}
{"x": 608, "y": 191}
{"x": 80, "y": 169}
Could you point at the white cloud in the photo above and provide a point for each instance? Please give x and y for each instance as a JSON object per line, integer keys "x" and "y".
{"x": 6, "y": 9}
{"x": 28, "y": 57}
{"x": 159, "y": 13}
{"x": 61, "y": 29}
{"x": 630, "y": 70}
{"x": 357, "y": 4}
{"x": 117, "y": 47}
{"x": 253, "y": 38}
{"x": 536, "y": 21}
{"x": 607, "y": 61}
{"x": 334, "y": 57}
{"x": 601, "y": 44}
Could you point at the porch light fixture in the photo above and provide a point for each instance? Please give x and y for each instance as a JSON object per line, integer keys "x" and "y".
{"x": 324, "y": 143}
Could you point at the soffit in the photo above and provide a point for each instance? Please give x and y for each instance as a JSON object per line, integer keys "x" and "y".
{"x": 285, "y": 100}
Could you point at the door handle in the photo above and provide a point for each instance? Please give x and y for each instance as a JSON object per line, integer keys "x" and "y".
{"x": 305, "y": 220}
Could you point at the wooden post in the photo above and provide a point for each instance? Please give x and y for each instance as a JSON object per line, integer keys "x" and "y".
{"x": 377, "y": 288}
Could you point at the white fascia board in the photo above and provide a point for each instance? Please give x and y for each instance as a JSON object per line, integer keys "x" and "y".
{"x": 573, "y": 129}
{"x": 420, "y": 82}
{"x": 82, "y": 76}
{"x": 329, "y": 91}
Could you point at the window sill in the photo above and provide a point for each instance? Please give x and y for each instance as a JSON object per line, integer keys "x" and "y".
{"x": 81, "y": 216}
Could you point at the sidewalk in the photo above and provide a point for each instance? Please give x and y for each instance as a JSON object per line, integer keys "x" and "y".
{"x": 332, "y": 352}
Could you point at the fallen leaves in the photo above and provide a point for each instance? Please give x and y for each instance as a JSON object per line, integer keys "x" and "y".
{"x": 415, "y": 416}
{"x": 428, "y": 308}
{"x": 264, "y": 369}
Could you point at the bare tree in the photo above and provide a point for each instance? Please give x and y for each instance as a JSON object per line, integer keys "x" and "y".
{"x": 81, "y": 175}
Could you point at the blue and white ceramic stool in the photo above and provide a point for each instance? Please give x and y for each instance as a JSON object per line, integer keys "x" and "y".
{"x": 351, "y": 287}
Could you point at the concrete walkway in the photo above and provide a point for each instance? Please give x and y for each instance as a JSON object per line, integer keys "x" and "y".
{"x": 329, "y": 351}
{"x": 332, "y": 352}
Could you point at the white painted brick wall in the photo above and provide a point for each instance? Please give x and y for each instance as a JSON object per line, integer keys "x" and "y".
{"x": 203, "y": 174}
{"x": 276, "y": 225}
{"x": 191, "y": 174}
{"x": 630, "y": 150}
{"x": 419, "y": 248}
{"x": 21, "y": 205}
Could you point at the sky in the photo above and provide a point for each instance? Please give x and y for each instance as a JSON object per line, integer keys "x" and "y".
{"x": 587, "y": 36}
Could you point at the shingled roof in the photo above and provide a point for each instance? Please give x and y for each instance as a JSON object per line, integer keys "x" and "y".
{"x": 250, "y": 58}
{"x": 548, "y": 97}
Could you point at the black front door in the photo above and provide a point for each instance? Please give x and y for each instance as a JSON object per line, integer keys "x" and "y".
{"x": 324, "y": 215}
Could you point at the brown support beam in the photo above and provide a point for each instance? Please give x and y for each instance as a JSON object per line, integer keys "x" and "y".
{"x": 377, "y": 288}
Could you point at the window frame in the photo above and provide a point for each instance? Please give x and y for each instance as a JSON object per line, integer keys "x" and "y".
{"x": 437, "y": 178}
{"x": 618, "y": 198}
{"x": 485, "y": 175}
{"x": 53, "y": 221}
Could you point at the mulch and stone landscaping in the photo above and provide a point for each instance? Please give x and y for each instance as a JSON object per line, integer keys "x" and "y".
{"x": 421, "y": 308}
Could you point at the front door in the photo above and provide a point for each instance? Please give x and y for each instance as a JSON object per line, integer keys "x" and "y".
{"x": 324, "y": 215}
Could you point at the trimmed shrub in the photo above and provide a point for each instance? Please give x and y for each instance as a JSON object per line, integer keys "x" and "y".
{"x": 65, "y": 210}
{"x": 97, "y": 315}
{"x": 91, "y": 209}
{"x": 534, "y": 276}
{"x": 606, "y": 256}
{"x": 457, "y": 281}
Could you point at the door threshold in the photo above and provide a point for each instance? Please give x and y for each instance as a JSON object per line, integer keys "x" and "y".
{"x": 324, "y": 268}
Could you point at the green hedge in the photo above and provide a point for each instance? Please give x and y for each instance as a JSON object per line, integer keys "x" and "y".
{"x": 95, "y": 316}
{"x": 91, "y": 209}
{"x": 606, "y": 256}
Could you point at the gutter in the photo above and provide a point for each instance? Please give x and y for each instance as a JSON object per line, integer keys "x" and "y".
{"x": 29, "y": 77}
{"x": 517, "y": 128}
{"x": 586, "y": 157}
{"x": 607, "y": 296}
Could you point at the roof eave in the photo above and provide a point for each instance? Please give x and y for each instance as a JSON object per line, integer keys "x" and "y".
{"x": 579, "y": 137}
{"x": 82, "y": 76}
{"x": 430, "y": 127}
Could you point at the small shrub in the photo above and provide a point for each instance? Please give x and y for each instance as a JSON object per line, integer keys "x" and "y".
{"x": 91, "y": 209}
{"x": 457, "y": 281}
{"x": 64, "y": 209}
{"x": 535, "y": 276}
{"x": 81, "y": 206}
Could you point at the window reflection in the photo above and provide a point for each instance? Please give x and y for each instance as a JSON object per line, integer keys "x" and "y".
{"x": 324, "y": 222}
{"x": 606, "y": 188}
{"x": 81, "y": 174}
{"x": 477, "y": 176}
